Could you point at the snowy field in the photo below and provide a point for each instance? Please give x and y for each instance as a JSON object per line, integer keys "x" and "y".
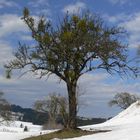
{"x": 12, "y": 131}
{"x": 125, "y": 126}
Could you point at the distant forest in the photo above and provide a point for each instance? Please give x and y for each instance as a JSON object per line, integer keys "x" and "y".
{"x": 40, "y": 118}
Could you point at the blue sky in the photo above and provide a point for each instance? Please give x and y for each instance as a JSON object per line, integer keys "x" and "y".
{"x": 98, "y": 87}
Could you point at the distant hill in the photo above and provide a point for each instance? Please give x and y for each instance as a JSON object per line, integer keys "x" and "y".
{"x": 30, "y": 115}
{"x": 89, "y": 121}
{"x": 40, "y": 118}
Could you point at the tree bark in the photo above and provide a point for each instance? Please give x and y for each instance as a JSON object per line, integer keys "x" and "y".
{"x": 72, "y": 120}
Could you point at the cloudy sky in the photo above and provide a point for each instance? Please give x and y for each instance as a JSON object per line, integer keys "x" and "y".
{"x": 98, "y": 87}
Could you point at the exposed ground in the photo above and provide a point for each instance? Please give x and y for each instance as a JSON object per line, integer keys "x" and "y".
{"x": 62, "y": 134}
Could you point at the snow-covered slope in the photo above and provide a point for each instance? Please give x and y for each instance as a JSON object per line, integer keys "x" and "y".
{"x": 15, "y": 126}
{"x": 129, "y": 116}
{"x": 13, "y": 130}
{"x": 125, "y": 126}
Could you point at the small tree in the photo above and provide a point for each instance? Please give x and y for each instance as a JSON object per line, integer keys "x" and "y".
{"x": 26, "y": 129}
{"x": 21, "y": 125}
{"x": 54, "y": 105}
{"x": 80, "y": 44}
{"x": 5, "y": 109}
{"x": 57, "y": 102}
{"x": 63, "y": 109}
{"x": 123, "y": 100}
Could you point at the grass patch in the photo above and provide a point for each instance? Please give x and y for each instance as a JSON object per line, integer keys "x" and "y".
{"x": 62, "y": 134}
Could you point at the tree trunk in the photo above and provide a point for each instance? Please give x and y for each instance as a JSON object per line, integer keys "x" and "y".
{"x": 72, "y": 122}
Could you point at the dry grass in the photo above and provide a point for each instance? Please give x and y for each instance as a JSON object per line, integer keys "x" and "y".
{"x": 65, "y": 133}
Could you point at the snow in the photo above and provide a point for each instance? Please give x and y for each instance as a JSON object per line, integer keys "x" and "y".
{"x": 125, "y": 126}
{"x": 12, "y": 130}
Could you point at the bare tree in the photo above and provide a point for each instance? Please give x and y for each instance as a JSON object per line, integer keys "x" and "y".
{"x": 55, "y": 105}
{"x": 5, "y": 109}
{"x": 80, "y": 44}
{"x": 123, "y": 100}
{"x": 49, "y": 105}
{"x": 63, "y": 108}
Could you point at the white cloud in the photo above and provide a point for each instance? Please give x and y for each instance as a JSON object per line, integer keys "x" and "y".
{"x": 27, "y": 89}
{"x": 119, "y": 18}
{"x": 74, "y": 8}
{"x": 133, "y": 24}
{"x": 7, "y": 3}
{"x": 26, "y": 37}
{"x": 5, "y": 56}
{"x": 95, "y": 78}
{"x": 121, "y": 2}
{"x": 130, "y": 23}
{"x": 11, "y": 23}
{"x": 41, "y": 7}
{"x": 5, "y": 52}
{"x": 37, "y": 3}
{"x": 45, "y": 12}
{"x": 133, "y": 27}
{"x": 96, "y": 85}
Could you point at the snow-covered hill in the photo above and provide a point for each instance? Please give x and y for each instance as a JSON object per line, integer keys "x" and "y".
{"x": 13, "y": 130}
{"x": 125, "y": 126}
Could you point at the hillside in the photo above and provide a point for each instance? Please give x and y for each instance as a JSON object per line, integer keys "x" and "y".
{"x": 30, "y": 115}
{"x": 13, "y": 131}
{"x": 40, "y": 118}
{"x": 124, "y": 126}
